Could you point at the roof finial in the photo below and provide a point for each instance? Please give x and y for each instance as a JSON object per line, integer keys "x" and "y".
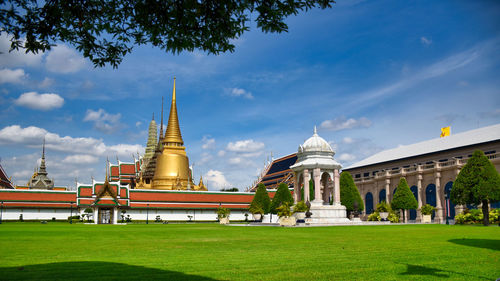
{"x": 153, "y": 116}
{"x": 107, "y": 167}
{"x": 173, "y": 134}
{"x": 315, "y": 130}
{"x": 161, "y": 125}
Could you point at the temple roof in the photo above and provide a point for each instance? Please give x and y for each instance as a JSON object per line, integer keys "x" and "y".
{"x": 477, "y": 136}
{"x": 4, "y": 180}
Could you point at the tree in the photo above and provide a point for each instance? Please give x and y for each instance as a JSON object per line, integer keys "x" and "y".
{"x": 477, "y": 183}
{"x": 106, "y": 30}
{"x": 311, "y": 191}
{"x": 349, "y": 193}
{"x": 404, "y": 198}
{"x": 230, "y": 189}
{"x": 261, "y": 199}
{"x": 281, "y": 196}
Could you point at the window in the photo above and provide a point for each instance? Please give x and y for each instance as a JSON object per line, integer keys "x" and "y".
{"x": 374, "y": 172}
{"x": 407, "y": 166}
{"x": 357, "y": 176}
{"x": 490, "y": 152}
{"x": 366, "y": 174}
{"x": 443, "y": 160}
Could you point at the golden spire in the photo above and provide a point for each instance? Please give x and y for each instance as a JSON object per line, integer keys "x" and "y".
{"x": 173, "y": 133}
{"x": 161, "y": 126}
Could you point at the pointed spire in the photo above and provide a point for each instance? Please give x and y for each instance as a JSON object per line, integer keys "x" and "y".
{"x": 43, "y": 170}
{"x": 107, "y": 168}
{"x": 161, "y": 124}
{"x": 173, "y": 133}
{"x": 315, "y": 130}
{"x": 153, "y": 116}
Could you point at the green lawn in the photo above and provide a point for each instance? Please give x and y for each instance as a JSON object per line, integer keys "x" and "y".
{"x": 214, "y": 252}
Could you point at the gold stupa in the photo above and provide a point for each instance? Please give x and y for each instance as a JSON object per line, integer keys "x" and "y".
{"x": 172, "y": 165}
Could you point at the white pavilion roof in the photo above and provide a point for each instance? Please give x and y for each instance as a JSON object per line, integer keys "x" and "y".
{"x": 477, "y": 136}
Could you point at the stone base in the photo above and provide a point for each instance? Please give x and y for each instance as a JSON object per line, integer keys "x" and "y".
{"x": 327, "y": 214}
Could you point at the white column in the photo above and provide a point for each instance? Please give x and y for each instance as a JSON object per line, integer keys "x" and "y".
{"x": 387, "y": 191}
{"x": 115, "y": 215}
{"x": 306, "y": 185}
{"x": 96, "y": 217}
{"x": 337, "y": 186}
{"x": 419, "y": 195}
{"x": 317, "y": 186}
{"x": 439, "y": 206}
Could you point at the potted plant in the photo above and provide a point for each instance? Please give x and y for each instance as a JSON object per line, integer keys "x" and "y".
{"x": 383, "y": 210}
{"x": 257, "y": 212}
{"x": 285, "y": 215}
{"x": 299, "y": 210}
{"x": 223, "y": 215}
{"x": 426, "y": 211}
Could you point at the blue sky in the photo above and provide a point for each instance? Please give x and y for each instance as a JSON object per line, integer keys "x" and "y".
{"x": 371, "y": 75}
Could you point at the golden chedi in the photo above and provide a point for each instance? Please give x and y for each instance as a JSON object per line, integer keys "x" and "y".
{"x": 172, "y": 165}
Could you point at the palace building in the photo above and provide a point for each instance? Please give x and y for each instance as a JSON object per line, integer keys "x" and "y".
{"x": 430, "y": 168}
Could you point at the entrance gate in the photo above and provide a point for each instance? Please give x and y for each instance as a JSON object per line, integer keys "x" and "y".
{"x": 105, "y": 216}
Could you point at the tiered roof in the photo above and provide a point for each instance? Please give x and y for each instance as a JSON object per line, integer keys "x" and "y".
{"x": 278, "y": 171}
{"x": 4, "y": 180}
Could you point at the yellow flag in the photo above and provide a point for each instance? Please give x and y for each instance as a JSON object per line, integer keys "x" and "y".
{"x": 445, "y": 131}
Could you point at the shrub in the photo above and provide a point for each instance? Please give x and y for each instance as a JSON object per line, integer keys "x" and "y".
{"x": 494, "y": 216}
{"x": 282, "y": 195}
{"x": 21, "y": 217}
{"x": 383, "y": 207}
{"x": 375, "y": 216}
{"x": 261, "y": 199}
{"x": 475, "y": 216}
{"x": 300, "y": 207}
{"x": 158, "y": 219}
{"x": 284, "y": 210}
{"x": 349, "y": 193}
{"x": 256, "y": 209}
{"x": 223, "y": 212}
{"x": 393, "y": 217}
{"x": 427, "y": 209}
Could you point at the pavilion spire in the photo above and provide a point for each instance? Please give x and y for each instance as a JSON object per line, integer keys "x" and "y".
{"x": 43, "y": 169}
{"x": 173, "y": 133}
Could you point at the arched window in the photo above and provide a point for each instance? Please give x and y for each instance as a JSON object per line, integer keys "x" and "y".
{"x": 413, "y": 212}
{"x": 430, "y": 196}
{"x": 381, "y": 196}
{"x": 369, "y": 203}
{"x": 451, "y": 206}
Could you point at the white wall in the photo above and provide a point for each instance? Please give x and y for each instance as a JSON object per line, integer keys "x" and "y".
{"x": 37, "y": 214}
{"x": 135, "y": 214}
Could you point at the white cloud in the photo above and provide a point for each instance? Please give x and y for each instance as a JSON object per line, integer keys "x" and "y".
{"x": 221, "y": 153}
{"x": 33, "y": 136}
{"x": 47, "y": 82}
{"x": 208, "y": 143}
{"x": 347, "y": 140}
{"x": 16, "y": 58}
{"x": 346, "y": 157}
{"x": 205, "y": 158}
{"x": 425, "y": 40}
{"x": 341, "y": 123}
{"x": 439, "y": 68}
{"x": 245, "y": 146}
{"x": 235, "y": 160}
{"x": 12, "y": 76}
{"x": 103, "y": 121}
{"x": 62, "y": 59}
{"x": 216, "y": 179}
{"x": 138, "y": 123}
{"x": 80, "y": 159}
{"x": 237, "y": 92}
{"x": 37, "y": 101}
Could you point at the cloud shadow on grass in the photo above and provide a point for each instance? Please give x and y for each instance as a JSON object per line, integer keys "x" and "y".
{"x": 88, "y": 270}
{"x": 492, "y": 244}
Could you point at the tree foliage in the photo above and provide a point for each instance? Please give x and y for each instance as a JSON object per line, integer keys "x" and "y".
{"x": 349, "y": 193}
{"x": 477, "y": 183}
{"x": 261, "y": 199}
{"x": 106, "y": 30}
{"x": 281, "y": 196}
{"x": 403, "y": 198}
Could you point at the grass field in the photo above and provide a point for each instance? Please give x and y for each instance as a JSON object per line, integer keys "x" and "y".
{"x": 59, "y": 251}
